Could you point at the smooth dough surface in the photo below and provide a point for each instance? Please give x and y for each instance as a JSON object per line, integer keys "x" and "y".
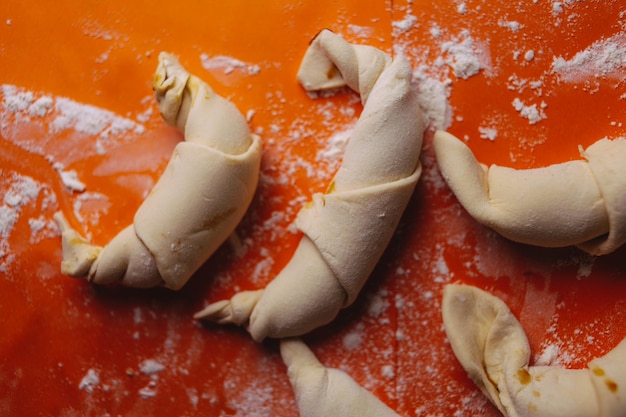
{"x": 581, "y": 202}
{"x": 192, "y": 209}
{"x": 347, "y": 228}
{"x": 198, "y": 201}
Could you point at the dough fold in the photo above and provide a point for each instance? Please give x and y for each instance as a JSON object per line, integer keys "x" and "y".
{"x": 581, "y": 202}
{"x": 346, "y": 229}
{"x": 371, "y": 213}
{"x": 493, "y": 348}
{"x": 326, "y": 392}
{"x": 180, "y": 242}
{"x": 197, "y": 202}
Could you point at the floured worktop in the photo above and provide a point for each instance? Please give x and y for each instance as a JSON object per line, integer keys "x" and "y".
{"x": 523, "y": 83}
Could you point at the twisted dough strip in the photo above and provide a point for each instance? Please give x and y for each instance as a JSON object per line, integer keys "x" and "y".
{"x": 492, "y": 347}
{"x": 326, "y": 392}
{"x": 580, "y": 202}
{"x": 347, "y": 229}
{"x": 196, "y": 204}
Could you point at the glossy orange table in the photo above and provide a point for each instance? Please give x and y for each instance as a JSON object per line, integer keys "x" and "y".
{"x": 77, "y": 104}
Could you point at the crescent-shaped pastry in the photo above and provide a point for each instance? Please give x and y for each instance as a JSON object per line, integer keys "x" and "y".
{"x": 492, "y": 347}
{"x": 326, "y": 392}
{"x": 197, "y": 202}
{"x": 581, "y": 202}
{"x": 347, "y": 228}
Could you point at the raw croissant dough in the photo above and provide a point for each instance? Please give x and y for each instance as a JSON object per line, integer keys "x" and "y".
{"x": 326, "y": 392}
{"x": 580, "y": 202}
{"x": 491, "y": 345}
{"x": 196, "y": 204}
{"x": 347, "y": 229}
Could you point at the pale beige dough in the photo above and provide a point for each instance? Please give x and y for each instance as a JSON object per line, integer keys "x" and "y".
{"x": 198, "y": 201}
{"x": 346, "y": 229}
{"x": 492, "y": 347}
{"x": 581, "y": 202}
{"x": 326, "y": 392}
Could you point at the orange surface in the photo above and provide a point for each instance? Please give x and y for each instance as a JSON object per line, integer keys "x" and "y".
{"x": 58, "y": 333}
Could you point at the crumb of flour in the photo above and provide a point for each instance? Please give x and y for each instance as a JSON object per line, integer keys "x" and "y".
{"x": 466, "y": 56}
{"x": 151, "y": 367}
{"x": 489, "y": 133}
{"x": 533, "y": 113}
{"x": 228, "y": 64}
{"x": 90, "y": 381}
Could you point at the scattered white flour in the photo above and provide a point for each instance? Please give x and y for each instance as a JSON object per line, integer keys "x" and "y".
{"x": 378, "y": 304}
{"x": 228, "y": 64}
{"x": 19, "y": 191}
{"x": 512, "y": 25}
{"x": 8, "y": 218}
{"x": 533, "y": 113}
{"x": 90, "y": 381}
{"x": 70, "y": 178}
{"x": 515, "y": 83}
{"x": 388, "y": 372}
{"x": 435, "y": 31}
{"x": 89, "y": 119}
{"x": 364, "y": 32}
{"x": 41, "y": 106}
{"x": 150, "y": 367}
{"x": 440, "y": 269}
{"x": 489, "y": 133}
{"x": 89, "y": 206}
{"x": 549, "y": 356}
{"x": 529, "y": 55}
{"x": 335, "y": 146}
{"x": 147, "y": 392}
{"x": 354, "y": 339}
{"x": 404, "y": 25}
{"x": 585, "y": 267}
{"x": 604, "y": 58}
{"x": 42, "y": 228}
{"x": 465, "y": 56}
{"x": 557, "y": 7}
{"x": 433, "y": 97}
{"x": 22, "y": 189}
{"x": 21, "y": 105}
{"x": 15, "y": 100}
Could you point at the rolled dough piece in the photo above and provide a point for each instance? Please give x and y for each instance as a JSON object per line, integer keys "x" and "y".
{"x": 493, "y": 348}
{"x": 198, "y": 201}
{"x": 581, "y": 202}
{"x": 347, "y": 228}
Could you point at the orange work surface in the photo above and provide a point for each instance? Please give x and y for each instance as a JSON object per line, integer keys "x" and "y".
{"x": 523, "y": 82}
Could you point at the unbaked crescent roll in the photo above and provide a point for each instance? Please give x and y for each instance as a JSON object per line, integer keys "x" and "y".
{"x": 197, "y": 202}
{"x": 326, "y": 392}
{"x": 346, "y": 229}
{"x": 492, "y": 347}
{"x": 581, "y": 202}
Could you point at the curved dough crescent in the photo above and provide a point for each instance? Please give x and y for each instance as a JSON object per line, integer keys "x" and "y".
{"x": 197, "y": 202}
{"x": 325, "y": 392}
{"x": 347, "y": 228}
{"x": 581, "y": 202}
{"x": 492, "y": 347}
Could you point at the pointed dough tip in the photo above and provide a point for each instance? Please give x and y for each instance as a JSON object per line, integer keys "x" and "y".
{"x": 217, "y": 312}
